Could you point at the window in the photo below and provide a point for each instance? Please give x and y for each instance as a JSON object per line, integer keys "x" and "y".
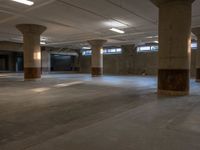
{"x": 87, "y": 53}
{"x": 145, "y": 49}
{"x": 154, "y": 48}
{"x": 194, "y": 45}
{"x": 151, "y": 48}
{"x": 105, "y": 51}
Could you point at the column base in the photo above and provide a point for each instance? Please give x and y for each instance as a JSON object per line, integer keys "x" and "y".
{"x": 197, "y": 74}
{"x": 34, "y": 79}
{"x": 96, "y": 71}
{"x": 173, "y": 93}
{"x": 32, "y": 73}
{"x": 173, "y": 82}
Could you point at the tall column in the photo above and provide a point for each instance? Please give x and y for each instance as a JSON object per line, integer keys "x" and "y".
{"x": 127, "y": 59}
{"x": 46, "y": 60}
{"x": 174, "y": 46}
{"x": 97, "y": 57}
{"x": 196, "y": 31}
{"x": 32, "y": 51}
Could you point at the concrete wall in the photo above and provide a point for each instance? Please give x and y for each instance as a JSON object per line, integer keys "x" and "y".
{"x": 10, "y": 46}
{"x": 132, "y": 63}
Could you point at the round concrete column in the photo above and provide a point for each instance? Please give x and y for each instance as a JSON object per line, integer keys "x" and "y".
{"x": 196, "y": 31}
{"x": 97, "y": 57}
{"x": 32, "y": 51}
{"x": 174, "y": 46}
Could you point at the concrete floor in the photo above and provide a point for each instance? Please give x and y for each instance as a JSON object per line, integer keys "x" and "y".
{"x": 76, "y": 112}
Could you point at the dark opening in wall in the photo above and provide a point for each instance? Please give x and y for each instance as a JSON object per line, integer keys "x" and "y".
{"x": 4, "y": 63}
{"x": 19, "y": 62}
{"x": 60, "y": 62}
{"x": 11, "y": 61}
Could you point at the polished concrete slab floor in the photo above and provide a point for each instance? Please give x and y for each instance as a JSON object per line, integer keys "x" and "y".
{"x": 77, "y": 112}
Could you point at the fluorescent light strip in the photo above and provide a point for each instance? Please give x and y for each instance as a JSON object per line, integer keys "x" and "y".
{"x": 25, "y": 2}
{"x": 117, "y": 30}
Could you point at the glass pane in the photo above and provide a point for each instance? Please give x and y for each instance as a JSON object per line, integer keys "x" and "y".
{"x": 154, "y": 48}
{"x": 194, "y": 45}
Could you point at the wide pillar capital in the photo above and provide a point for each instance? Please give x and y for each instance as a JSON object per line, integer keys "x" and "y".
{"x": 97, "y": 42}
{"x": 159, "y": 3}
{"x": 31, "y": 28}
{"x": 196, "y": 31}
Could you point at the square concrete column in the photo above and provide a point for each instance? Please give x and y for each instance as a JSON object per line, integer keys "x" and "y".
{"x": 32, "y": 51}
{"x": 46, "y": 60}
{"x": 97, "y": 57}
{"x": 174, "y": 46}
{"x": 196, "y": 31}
{"x": 126, "y": 61}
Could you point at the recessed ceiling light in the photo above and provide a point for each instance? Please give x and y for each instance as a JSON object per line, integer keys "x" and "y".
{"x": 25, "y": 2}
{"x": 117, "y": 30}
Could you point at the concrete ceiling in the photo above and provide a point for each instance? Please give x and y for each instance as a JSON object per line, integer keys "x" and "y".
{"x": 71, "y": 23}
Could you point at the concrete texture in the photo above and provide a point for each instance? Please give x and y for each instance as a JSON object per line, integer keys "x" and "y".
{"x": 45, "y": 61}
{"x": 10, "y": 46}
{"x": 174, "y": 46}
{"x": 97, "y": 57}
{"x": 196, "y": 32}
{"x": 77, "y": 112}
{"x": 135, "y": 63}
{"x": 32, "y": 51}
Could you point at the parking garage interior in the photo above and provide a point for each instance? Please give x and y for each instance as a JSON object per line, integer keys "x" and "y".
{"x": 99, "y": 75}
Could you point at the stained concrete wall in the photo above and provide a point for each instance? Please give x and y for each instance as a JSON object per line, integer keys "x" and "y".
{"x": 132, "y": 63}
{"x": 10, "y": 46}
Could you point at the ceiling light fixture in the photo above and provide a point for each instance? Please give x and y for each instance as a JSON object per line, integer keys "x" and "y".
{"x": 117, "y": 30}
{"x": 25, "y": 2}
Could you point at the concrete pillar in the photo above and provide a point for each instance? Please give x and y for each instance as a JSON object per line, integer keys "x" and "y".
{"x": 174, "y": 46}
{"x": 126, "y": 61}
{"x": 128, "y": 50}
{"x": 196, "y": 31}
{"x": 97, "y": 57}
{"x": 32, "y": 52}
{"x": 46, "y": 61}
